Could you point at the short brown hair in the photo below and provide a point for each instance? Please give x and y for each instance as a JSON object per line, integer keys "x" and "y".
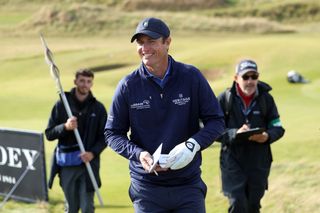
{"x": 84, "y": 72}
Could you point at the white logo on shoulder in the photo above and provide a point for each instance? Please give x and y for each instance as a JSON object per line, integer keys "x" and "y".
{"x": 181, "y": 100}
{"x": 141, "y": 105}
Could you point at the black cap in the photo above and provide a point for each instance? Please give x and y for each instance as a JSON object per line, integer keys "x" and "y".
{"x": 245, "y": 66}
{"x": 152, "y": 27}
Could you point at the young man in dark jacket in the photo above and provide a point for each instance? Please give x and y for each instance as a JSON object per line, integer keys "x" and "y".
{"x": 245, "y": 161}
{"x": 162, "y": 102}
{"x": 89, "y": 116}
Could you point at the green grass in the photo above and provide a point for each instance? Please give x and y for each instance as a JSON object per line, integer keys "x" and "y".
{"x": 28, "y": 93}
{"x": 8, "y": 19}
{"x": 79, "y": 18}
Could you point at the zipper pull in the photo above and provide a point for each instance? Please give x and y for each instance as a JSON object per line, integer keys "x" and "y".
{"x": 161, "y": 95}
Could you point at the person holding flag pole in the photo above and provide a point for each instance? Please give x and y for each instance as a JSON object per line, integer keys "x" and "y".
{"x": 78, "y": 115}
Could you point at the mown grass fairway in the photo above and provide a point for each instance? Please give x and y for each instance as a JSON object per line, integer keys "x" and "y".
{"x": 28, "y": 93}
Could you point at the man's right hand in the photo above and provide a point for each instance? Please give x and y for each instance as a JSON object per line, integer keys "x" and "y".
{"x": 71, "y": 123}
{"x": 245, "y": 127}
{"x": 146, "y": 160}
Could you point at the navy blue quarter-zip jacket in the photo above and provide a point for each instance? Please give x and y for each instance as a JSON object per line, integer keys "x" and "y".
{"x": 168, "y": 115}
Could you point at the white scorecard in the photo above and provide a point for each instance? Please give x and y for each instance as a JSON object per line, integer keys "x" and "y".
{"x": 156, "y": 156}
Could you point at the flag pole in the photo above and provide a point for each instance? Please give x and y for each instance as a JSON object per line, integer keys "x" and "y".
{"x": 56, "y": 76}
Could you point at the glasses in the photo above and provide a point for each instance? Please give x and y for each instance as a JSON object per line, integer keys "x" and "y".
{"x": 253, "y": 77}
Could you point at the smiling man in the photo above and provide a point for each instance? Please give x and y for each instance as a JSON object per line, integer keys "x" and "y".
{"x": 161, "y": 102}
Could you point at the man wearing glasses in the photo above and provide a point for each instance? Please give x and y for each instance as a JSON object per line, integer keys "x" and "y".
{"x": 253, "y": 123}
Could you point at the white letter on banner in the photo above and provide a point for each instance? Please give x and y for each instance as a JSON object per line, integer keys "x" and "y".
{"x": 13, "y": 156}
{"x": 4, "y": 156}
{"x": 29, "y": 154}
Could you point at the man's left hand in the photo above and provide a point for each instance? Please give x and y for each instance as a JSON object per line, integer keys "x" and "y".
{"x": 86, "y": 156}
{"x": 182, "y": 154}
{"x": 259, "y": 138}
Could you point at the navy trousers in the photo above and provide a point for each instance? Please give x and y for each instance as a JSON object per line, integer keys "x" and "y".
{"x": 148, "y": 198}
{"x": 243, "y": 186}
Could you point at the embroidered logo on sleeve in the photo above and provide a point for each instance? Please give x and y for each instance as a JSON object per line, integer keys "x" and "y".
{"x": 181, "y": 100}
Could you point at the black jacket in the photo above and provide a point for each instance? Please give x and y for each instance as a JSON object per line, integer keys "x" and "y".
{"x": 91, "y": 115}
{"x": 250, "y": 154}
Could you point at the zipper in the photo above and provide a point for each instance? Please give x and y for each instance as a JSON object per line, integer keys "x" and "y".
{"x": 157, "y": 86}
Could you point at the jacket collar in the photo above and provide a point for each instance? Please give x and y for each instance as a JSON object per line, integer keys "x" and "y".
{"x": 88, "y": 100}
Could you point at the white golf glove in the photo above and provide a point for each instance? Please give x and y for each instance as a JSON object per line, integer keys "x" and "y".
{"x": 182, "y": 154}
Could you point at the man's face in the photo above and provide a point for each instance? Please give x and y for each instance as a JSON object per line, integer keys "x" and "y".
{"x": 248, "y": 82}
{"x": 153, "y": 52}
{"x": 83, "y": 84}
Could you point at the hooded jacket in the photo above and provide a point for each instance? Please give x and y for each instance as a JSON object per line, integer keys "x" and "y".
{"x": 247, "y": 153}
{"x": 91, "y": 116}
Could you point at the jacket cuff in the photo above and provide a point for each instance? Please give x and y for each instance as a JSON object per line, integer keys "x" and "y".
{"x": 137, "y": 154}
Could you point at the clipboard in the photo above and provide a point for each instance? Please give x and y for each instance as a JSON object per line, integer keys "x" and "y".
{"x": 245, "y": 135}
